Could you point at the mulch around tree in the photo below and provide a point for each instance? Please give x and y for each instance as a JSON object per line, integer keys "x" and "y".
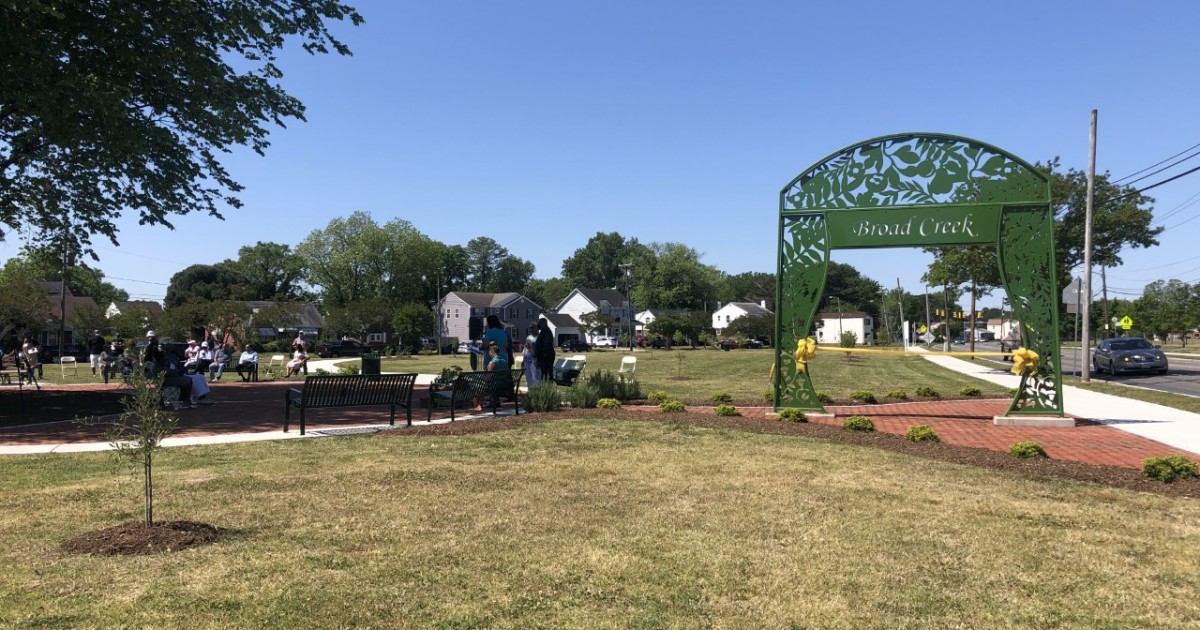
{"x": 136, "y": 538}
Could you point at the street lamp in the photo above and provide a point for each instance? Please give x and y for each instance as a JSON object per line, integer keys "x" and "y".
{"x": 628, "y": 269}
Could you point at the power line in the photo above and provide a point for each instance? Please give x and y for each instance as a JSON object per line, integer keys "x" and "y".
{"x": 1194, "y": 146}
{"x": 1163, "y": 168}
{"x": 1156, "y": 185}
{"x": 1183, "y": 205}
{"x": 161, "y": 284}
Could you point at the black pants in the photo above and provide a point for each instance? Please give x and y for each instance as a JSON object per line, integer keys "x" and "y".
{"x": 251, "y": 371}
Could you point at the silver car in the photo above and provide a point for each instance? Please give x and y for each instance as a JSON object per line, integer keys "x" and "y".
{"x": 1128, "y": 354}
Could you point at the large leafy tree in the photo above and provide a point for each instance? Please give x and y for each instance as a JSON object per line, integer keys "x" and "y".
{"x": 547, "y": 293}
{"x": 1121, "y": 218}
{"x": 272, "y": 271}
{"x": 355, "y": 258}
{"x": 677, "y": 279}
{"x": 108, "y": 107}
{"x": 491, "y": 268}
{"x": 206, "y": 283}
{"x": 1167, "y": 306}
{"x": 751, "y": 286}
{"x": 856, "y": 291}
{"x": 597, "y": 265}
{"x": 23, "y": 302}
{"x": 413, "y": 321}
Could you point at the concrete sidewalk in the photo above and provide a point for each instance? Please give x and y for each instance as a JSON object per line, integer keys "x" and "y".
{"x": 1173, "y": 427}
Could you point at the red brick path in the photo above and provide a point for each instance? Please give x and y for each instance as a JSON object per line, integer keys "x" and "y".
{"x": 258, "y": 407}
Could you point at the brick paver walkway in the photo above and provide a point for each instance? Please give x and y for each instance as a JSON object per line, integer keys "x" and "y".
{"x": 258, "y": 408}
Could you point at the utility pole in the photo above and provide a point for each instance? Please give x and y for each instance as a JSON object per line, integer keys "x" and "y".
{"x": 628, "y": 269}
{"x": 1087, "y": 251}
{"x": 928, "y": 322}
{"x": 900, "y": 307}
{"x": 946, "y": 321}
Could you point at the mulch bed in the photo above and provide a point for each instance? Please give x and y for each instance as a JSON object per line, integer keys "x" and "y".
{"x": 1115, "y": 476}
{"x": 136, "y": 538}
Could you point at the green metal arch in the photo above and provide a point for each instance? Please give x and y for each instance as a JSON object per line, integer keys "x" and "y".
{"x": 921, "y": 175}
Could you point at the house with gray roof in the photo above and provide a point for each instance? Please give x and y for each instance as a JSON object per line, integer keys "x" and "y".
{"x": 461, "y": 314}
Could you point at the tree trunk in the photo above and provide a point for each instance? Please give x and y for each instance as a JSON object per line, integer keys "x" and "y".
{"x": 148, "y": 467}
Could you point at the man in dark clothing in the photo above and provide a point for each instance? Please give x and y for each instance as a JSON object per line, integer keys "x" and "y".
{"x": 543, "y": 350}
{"x": 95, "y": 346}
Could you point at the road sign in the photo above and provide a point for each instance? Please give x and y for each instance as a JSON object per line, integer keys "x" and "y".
{"x": 1127, "y": 322}
{"x": 922, "y": 328}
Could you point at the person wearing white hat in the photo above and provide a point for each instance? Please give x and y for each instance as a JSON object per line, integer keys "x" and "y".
{"x": 205, "y": 357}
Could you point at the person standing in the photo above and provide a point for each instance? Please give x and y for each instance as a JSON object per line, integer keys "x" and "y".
{"x": 30, "y": 354}
{"x": 495, "y": 334}
{"x": 543, "y": 349}
{"x": 95, "y": 346}
{"x": 529, "y": 358}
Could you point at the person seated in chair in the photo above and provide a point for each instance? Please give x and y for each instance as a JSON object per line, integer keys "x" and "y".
{"x": 221, "y": 359}
{"x": 299, "y": 361}
{"x": 247, "y": 366}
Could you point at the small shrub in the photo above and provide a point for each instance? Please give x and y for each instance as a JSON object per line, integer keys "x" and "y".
{"x": 349, "y": 369}
{"x": 922, "y": 433}
{"x": 658, "y": 395}
{"x": 824, "y": 398}
{"x": 927, "y": 392}
{"x": 543, "y": 396}
{"x": 608, "y": 403}
{"x": 864, "y": 396}
{"x": 1168, "y": 468}
{"x": 448, "y": 375}
{"x": 584, "y": 396}
{"x": 898, "y": 394}
{"x": 792, "y": 415}
{"x": 322, "y": 372}
{"x": 720, "y": 397}
{"x": 727, "y": 410}
{"x": 611, "y": 385}
{"x": 858, "y": 423}
{"x": 768, "y": 395}
{"x": 970, "y": 390}
{"x": 1027, "y": 450}
{"x": 671, "y": 406}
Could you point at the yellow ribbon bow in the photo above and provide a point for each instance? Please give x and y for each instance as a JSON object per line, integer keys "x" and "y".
{"x": 1025, "y": 361}
{"x": 805, "y": 350}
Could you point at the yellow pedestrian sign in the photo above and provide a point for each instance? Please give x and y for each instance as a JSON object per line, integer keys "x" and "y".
{"x": 1126, "y": 322}
{"x": 922, "y": 329}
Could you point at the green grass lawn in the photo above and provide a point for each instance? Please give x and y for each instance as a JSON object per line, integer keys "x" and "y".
{"x": 593, "y": 524}
{"x": 694, "y": 375}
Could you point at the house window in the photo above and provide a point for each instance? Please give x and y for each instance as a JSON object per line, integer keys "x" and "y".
{"x": 726, "y": 319}
{"x": 375, "y": 337}
{"x": 455, "y": 313}
{"x": 512, "y": 313}
{"x": 528, "y": 313}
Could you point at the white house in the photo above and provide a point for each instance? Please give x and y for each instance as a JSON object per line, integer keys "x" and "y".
{"x": 609, "y": 302}
{"x": 832, "y": 325}
{"x": 722, "y": 317}
{"x": 457, "y": 309}
{"x": 647, "y": 317}
{"x": 1004, "y": 328}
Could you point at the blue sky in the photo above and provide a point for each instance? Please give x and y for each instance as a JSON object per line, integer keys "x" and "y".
{"x": 540, "y": 123}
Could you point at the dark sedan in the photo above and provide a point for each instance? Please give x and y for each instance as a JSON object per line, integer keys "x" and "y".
{"x": 576, "y": 345}
{"x": 342, "y": 348}
{"x": 1128, "y": 354}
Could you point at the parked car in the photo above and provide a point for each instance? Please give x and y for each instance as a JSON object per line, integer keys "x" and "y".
{"x": 605, "y": 342}
{"x": 728, "y": 343}
{"x": 575, "y": 345}
{"x": 753, "y": 343}
{"x": 1128, "y": 354}
{"x": 342, "y": 348}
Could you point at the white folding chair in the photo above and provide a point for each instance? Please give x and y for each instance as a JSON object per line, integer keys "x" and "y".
{"x": 628, "y": 367}
{"x": 63, "y": 362}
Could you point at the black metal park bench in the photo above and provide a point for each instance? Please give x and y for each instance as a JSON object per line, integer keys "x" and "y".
{"x": 493, "y": 388}
{"x": 351, "y": 391}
